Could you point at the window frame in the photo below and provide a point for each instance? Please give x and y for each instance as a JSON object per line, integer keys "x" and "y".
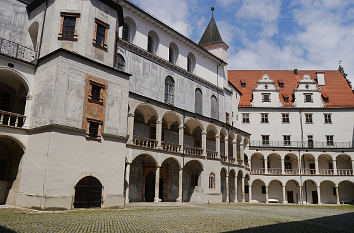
{"x": 305, "y": 97}
{"x": 265, "y": 139}
{"x": 63, "y": 15}
{"x": 327, "y": 118}
{"x": 106, "y": 27}
{"x": 102, "y": 88}
{"x": 330, "y": 140}
{"x": 89, "y": 136}
{"x": 264, "y": 118}
{"x": 245, "y": 120}
{"x": 169, "y": 90}
{"x": 212, "y": 181}
{"x": 285, "y": 118}
{"x": 287, "y": 140}
{"x": 308, "y": 118}
{"x": 264, "y": 99}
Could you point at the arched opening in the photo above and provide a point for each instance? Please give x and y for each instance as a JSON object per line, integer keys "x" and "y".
{"x": 191, "y": 63}
{"x": 274, "y": 164}
{"x": 173, "y": 53}
{"x": 325, "y": 164}
{"x": 308, "y": 164}
{"x": 239, "y": 186}
{"x": 246, "y": 188}
{"x": 153, "y": 42}
{"x": 214, "y": 112}
{"x": 246, "y": 161}
{"x": 128, "y": 30}
{"x": 212, "y": 181}
{"x": 88, "y": 193}
{"x": 238, "y": 147}
{"x": 346, "y": 192}
{"x": 142, "y": 179}
{"x": 223, "y": 184}
{"x": 257, "y": 163}
{"x": 292, "y": 191}
{"x": 275, "y": 191}
{"x": 328, "y": 192}
{"x": 259, "y": 191}
{"x": 33, "y": 32}
{"x": 193, "y": 137}
{"x": 13, "y": 93}
{"x": 344, "y": 165}
{"x": 198, "y": 105}
{"x": 231, "y": 147}
{"x": 169, "y": 90}
{"x": 291, "y": 164}
{"x": 145, "y": 118}
{"x": 192, "y": 188}
{"x": 211, "y": 141}
{"x": 232, "y": 188}
{"x": 11, "y": 154}
{"x": 168, "y": 185}
{"x": 310, "y": 193}
{"x": 222, "y": 142}
{"x": 120, "y": 65}
{"x": 170, "y": 132}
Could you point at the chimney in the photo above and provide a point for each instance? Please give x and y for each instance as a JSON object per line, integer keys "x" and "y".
{"x": 296, "y": 72}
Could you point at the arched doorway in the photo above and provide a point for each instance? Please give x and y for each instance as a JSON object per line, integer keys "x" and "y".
{"x": 169, "y": 180}
{"x": 11, "y": 153}
{"x": 232, "y": 188}
{"x": 328, "y": 192}
{"x": 310, "y": 193}
{"x": 192, "y": 187}
{"x": 292, "y": 190}
{"x": 88, "y": 193}
{"x": 258, "y": 191}
{"x": 346, "y": 192}
{"x": 223, "y": 184}
{"x": 275, "y": 190}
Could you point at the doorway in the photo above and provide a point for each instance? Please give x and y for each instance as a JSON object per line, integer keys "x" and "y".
{"x": 88, "y": 193}
{"x": 314, "y": 197}
{"x": 290, "y": 195}
{"x": 150, "y": 187}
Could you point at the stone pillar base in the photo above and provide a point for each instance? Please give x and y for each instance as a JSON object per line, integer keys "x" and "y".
{"x": 179, "y": 200}
{"x": 156, "y": 200}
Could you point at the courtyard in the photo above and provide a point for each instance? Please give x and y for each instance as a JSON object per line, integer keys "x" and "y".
{"x": 183, "y": 218}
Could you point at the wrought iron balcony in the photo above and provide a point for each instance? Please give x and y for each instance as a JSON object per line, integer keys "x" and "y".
{"x": 300, "y": 144}
{"x": 17, "y": 51}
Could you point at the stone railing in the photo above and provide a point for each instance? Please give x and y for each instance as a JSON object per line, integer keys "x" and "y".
{"x": 17, "y": 51}
{"x": 239, "y": 162}
{"x": 291, "y": 172}
{"x": 326, "y": 172}
{"x": 193, "y": 150}
{"x": 345, "y": 172}
{"x": 232, "y": 159}
{"x": 166, "y": 146}
{"x": 274, "y": 171}
{"x": 308, "y": 171}
{"x": 12, "y": 119}
{"x": 223, "y": 158}
{"x": 300, "y": 144}
{"x": 258, "y": 171}
{"x": 212, "y": 154}
{"x": 144, "y": 142}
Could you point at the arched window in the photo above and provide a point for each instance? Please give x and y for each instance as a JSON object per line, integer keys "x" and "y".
{"x": 198, "y": 106}
{"x": 212, "y": 184}
{"x": 33, "y": 32}
{"x": 214, "y": 107}
{"x": 128, "y": 30}
{"x": 173, "y": 53}
{"x": 153, "y": 42}
{"x": 125, "y": 33}
{"x": 120, "y": 62}
{"x": 190, "y": 63}
{"x": 169, "y": 90}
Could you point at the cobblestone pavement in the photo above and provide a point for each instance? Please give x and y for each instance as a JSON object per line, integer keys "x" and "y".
{"x": 183, "y": 218}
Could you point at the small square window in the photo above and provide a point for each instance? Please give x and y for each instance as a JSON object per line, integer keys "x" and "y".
{"x": 245, "y": 118}
{"x": 243, "y": 84}
{"x": 308, "y": 118}
{"x": 68, "y": 27}
{"x": 330, "y": 141}
{"x": 101, "y": 31}
{"x": 287, "y": 141}
{"x": 308, "y": 98}
{"x": 265, "y": 139}
{"x": 285, "y": 118}
{"x": 93, "y": 130}
{"x": 286, "y": 99}
{"x": 264, "y": 118}
{"x": 96, "y": 93}
{"x": 265, "y": 97}
{"x": 281, "y": 84}
{"x": 328, "y": 118}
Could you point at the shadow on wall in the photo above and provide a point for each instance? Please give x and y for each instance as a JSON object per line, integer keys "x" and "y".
{"x": 337, "y": 223}
{"x": 6, "y": 230}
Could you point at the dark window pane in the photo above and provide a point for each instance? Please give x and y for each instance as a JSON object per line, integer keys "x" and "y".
{"x": 69, "y": 27}
{"x": 93, "y": 130}
{"x": 198, "y": 101}
{"x": 5, "y": 99}
{"x": 100, "y": 35}
{"x": 125, "y": 32}
{"x": 95, "y": 92}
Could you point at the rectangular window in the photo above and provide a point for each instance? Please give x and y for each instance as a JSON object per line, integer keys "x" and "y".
{"x": 96, "y": 92}
{"x": 94, "y": 129}
{"x": 330, "y": 141}
{"x": 310, "y": 141}
{"x": 328, "y": 118}
{"x": 264, "y": 118}
{"x": 265, "y": 97}
{"x": 265, "y": 139}
{"x": 285, "y": 118}
{"x": 264, "y": 189}
{"x": 245, "y": 118}
{"x": 308, "y": 118}
{"x": 243, "y": 84}
{"x": 287, "y": 141}
{"x": 308, "y": 98}
{"x": 68, "y": 26}
{"x": 101, "y": 31}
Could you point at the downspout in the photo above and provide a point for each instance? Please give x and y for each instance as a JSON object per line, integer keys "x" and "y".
{"x": 300, "y": 159}
{"x": 183, "y": 154}
{"x": 41, "y": 40}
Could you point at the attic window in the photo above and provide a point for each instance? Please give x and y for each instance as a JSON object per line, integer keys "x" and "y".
{"x": 321, "y": 79}
{"x": 286, "y": 98}
{"x": 325, "y": 97}
{"x": 281, "y": 84}
{"x": 243, "y": 83}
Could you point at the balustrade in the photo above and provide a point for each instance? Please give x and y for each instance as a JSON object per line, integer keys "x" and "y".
{"x": 193, "y": 150}
{"x": 212, "y": 154}
{"x": 345, "y": 172}
{"x": 291, "y": 172}
{"x": 12, "y": 119}
{"x": 308, "y": 171}
{"x": 12, "y": 49}
{"x": 232, "y": 159}
{"x": 327, "y": 172}
{"x": 258, "y": 171}
{"x": 170, "y": 147}
{"x": 144, "y": 142}
{"x": 274, "y": 171}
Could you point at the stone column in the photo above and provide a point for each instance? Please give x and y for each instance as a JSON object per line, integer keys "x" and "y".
{"x": 157, "y": 184}
{"x": 27, "y": 111}
{"x": 319, "y": 195}
{"x": 266, "y": 193}
{"x": 335, "y": 167}
{"x": 181, "y": 137}
{"x": 227, "y": 147}
{"x": 352, "y": 166}
{"x": 130, "y": 128}
{"x": 282, "y": 167}
{"x": 316, "y": 165}
{"x": 227, "y": 187}
{"x": 204, "y": 133}
{"x": 236, "y": 192}
{"x": 249, "y": 193}
{"x": 266, "y": 166}
{"x": 234, "y": 149}
{"x": 218, "y": 144}
{"x": 180, "y": 185}
{"x": 242, "y": 157}
{"x": 127, "y": 177}
{"x": 243, "y": 189}
{"x": 284, "y": 195}
{"x": 158, "y": 133}
{"x": 301, "y": 196}
{"x": 337, "y": 195}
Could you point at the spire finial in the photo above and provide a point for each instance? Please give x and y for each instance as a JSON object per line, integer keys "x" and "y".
{"x": 212, "y": 8}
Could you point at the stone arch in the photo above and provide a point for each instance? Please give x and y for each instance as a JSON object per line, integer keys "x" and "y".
{"x": 325, "y": 164}
{"x": 128, "y": 33}
{"x": 308, "y": 164}
{"x": 292, "y": 191}
{"x": 275, "y": 190}
{"x": 291, "y": 164}
{"x": 153, "y": 42}
{"x": 193, "y": 133}
{"x": 257, "y": 163}
{"x": 88, "y": 193}
{"x": 258, "y": 191}
{"x": 145, "y": 119}
{"x": 346, "y": 192}
{"x": 192, "y": 181}
{"x": 328, "y": 192}
{"x": 211, "y": 138}
{"x": 171, "y": 123}
{"x": 33, "y": 33}
{"x": 232, "y": 187}
{"x": 344, "y": 164}
{"x": 274, "y": 164}
{"x": 309, "y": 190}
{"x": 169, "y": 180}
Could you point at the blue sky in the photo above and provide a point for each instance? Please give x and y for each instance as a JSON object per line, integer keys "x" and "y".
{"x": 269, "y": 34}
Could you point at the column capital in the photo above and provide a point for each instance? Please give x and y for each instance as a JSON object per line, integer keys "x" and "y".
{"x": 181, "y": 127}
{"x": 28, "y": 97}
{"x": 159, "y": 122}
{"x": 217, "y": 136}
{"x": 204, "y": 133}
{"x": 131, "y": 115}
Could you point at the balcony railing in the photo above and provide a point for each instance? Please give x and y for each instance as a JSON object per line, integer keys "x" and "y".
{"x": 223, "y": 158}
{"x": 12, "y": 119}
{"x": 258, "y": 171}
{"x": 193, "y": 150}
{"x": 212, "y": 154}
{"x": 144, "y": 142}
{"x": 345, "y": 172}
{"x": 291, "y": 172}
{"x": 166, "y": 146}
{"x": 299, "y": 144}
{"x": 274, "y": 171}
{"x": 308, "y": 171}
{"x": 17, "y": 51}
{"x": 326, "y": 172}
{"x": 232, "y": 159}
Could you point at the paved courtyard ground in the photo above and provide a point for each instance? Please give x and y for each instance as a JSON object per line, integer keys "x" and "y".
{"x": 184, "y": 218}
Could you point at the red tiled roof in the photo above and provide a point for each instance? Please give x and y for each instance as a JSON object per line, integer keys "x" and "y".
{"x": 336, "y": 89}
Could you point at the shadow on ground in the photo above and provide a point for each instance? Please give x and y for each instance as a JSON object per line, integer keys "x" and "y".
{"x": 329, "y": 224}
{"x": 6, "y": 230}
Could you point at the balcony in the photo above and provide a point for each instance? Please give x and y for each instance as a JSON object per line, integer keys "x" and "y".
{"x": 212, "y": 154}
{"x": 345, "y": 172}
{"x": 170, "y": 147}
{"x": 17, "y": 51}
{"x": 193, "y": 151}
{"x": 144, "y": 142}
{"x": 300, "y": 144}
{"x": 12, "y": 119}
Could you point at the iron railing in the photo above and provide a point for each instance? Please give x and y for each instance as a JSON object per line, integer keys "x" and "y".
{"x": 17, "y": 51}
{"x": 300, "y": 144}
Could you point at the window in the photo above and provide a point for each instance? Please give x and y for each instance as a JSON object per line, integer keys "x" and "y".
{"x": 264, "y": 189}
{"x": 308, "y": 118}
{"x": 194, "y": 179}
{"x": 4, "y": 163}
{"x": 101, "y": 32}
{"x": 287, "y": 141}
{"x": 286, "y": 99}
{"x": 198, "y": 105}
{"x": 94, "y": 129}
{"x": 285, "y": 118}
{"x": 120, "y": 62}
{"x": 150, "y": 44}
{"x": 329, "y": 140}
{"x": 228, "y": 118}
{"x": 288, "y": 165}
{"x": 214, "y": 107}
{"x": 169, "y": 90}
{"x": 153, "y": 42}
{"x": 191, "y": 63}
{"x": 264, "y": 118}
{"x": 96, "y": 92}
{"x": 265, "y": 97}
{"x": 245, "y": 118}
{"x": 212, "y": 181}
{"x": 68, "y": 27}
{"x": 310, "y": 141}
{"x": 308, "y": 98}
{"x": 265, "y": 139}
{"x": 125, "y": 32}
{"x": 173, "y": 53}
{"x": 243, "y": 83}
{"x": 281, "y": 84}
{"x": 325, "y": 99}
{"x": 328, "y": 118}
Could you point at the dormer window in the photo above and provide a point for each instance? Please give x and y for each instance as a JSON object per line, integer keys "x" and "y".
{"x": 281, "y": 84}
{"x": 325, "y": 97}
{"x": 266, "y": 86}
{"x": 308, "y": 98}
{"x": 265, "y": 97}
{"x": 243, "y": 83}
{"x": 286, "y": 99}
